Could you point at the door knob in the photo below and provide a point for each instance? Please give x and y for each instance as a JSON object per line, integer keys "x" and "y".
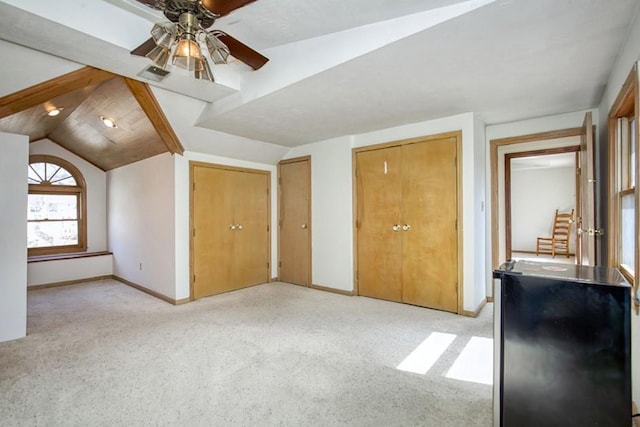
{"x": 232, "y": 227}
{"x": 304, "y": 226}
{"x": 239, "y": 226}
{"x": 591, "y": 231}
{"x": 395, "y": 227}
{"x": 406, "y": 227}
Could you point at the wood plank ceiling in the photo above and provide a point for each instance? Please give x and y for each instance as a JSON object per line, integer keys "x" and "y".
{"x": 83, "y": 96}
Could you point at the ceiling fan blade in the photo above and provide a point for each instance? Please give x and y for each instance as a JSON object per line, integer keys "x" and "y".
{"x": 242, "y": 52}
{"x": 144, "y": 48}
{"x": 224, "y": 7}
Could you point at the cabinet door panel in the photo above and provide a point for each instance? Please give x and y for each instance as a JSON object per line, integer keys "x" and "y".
{"x": 429, "y": 208}
{"x": 379, "y": 201}
{"x": 251, "y": 213}
{"x": 213, "y": 240}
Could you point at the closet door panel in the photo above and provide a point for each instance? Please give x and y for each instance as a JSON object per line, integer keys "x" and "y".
{"x": 251, "y": 217}
{"x": 295, "y": 222}
{"x": 212, "y": 240}
{"x": 429, "y": 210}
{"x": 379, "y": 174}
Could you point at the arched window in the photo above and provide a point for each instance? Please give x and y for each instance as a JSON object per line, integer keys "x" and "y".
{"x": 56, "y": 212}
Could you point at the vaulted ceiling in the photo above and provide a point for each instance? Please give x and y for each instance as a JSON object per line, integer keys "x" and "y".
{"x": 346, "y": 67}
{"x": 81, "y": 98}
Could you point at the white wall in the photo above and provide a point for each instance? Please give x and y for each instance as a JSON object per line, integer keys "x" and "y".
{"x": 64, "y": 270}
{"x": 181, "y": 213}
{"x": 332, "y": 213}
{"x": 535, "y": 195}
{"x": 96, "y": 180}
{"x": 141, "y": 223}
{"x": 539, "y": 124}
{"x": 482, "y": 274}
{"x": 14, "y": 155}
{"x": 627, "y": 57}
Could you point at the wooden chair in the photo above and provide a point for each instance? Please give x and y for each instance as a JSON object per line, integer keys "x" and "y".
{"x": 558, "y": 243}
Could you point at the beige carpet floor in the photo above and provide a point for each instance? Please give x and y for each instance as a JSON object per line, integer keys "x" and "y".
{"x": 104, "y": 354}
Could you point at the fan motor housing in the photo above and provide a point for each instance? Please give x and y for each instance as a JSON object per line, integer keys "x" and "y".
{"x": 175, "y": 8}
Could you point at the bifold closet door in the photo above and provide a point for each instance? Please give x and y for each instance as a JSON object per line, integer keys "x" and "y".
{"x": 251, "y": 216}
{"x": 379, "y": 191}
{"x": 429, "y": 211}
{"x": 213, "y": 241}
{"x": 230, "y": 220}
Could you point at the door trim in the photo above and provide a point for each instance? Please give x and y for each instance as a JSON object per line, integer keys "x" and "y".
{"x": 458, "y": 137}
{"x": 309, "y": 207}
{"x": 192, "y": 165}
{"x": 494, "y": 145}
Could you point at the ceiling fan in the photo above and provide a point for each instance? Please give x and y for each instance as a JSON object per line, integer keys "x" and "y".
{"x": 187, "y": 31}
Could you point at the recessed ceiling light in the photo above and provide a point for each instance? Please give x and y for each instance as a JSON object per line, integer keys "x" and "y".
{"x": 54, "y": 112}
{"x": 110, "y": 123}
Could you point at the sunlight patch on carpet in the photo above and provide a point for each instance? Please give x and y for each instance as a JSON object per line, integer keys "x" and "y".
{"x": 427, "y": 353}
{"x": 475, "y": 362}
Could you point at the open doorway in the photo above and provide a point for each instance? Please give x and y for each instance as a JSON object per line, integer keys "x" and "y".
{"x": 541, "y": 199}
{"x": 499, "y": 149}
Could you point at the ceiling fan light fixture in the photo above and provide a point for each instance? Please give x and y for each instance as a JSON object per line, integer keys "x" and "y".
{"x": 163, "y": 34}
{"x": 187, "y": 54}
{"x": 218, "y": 51}
{"x": 159, "y": 56}
{"x": 188, "y": 40}
{"x": 204, "y": 73}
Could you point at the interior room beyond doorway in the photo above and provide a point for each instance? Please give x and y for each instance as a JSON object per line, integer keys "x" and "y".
{"x": 499, "y": 149}
{"x": 539, "y": 184}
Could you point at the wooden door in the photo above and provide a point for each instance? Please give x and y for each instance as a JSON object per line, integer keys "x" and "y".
{"x": 586, "y": 229}
{"x": 430, "y": 213}
{"x": 379, "y": 235}
{"x": 212, "y": 238}
{"x": 251, "y": 220}
{"x": 294, "y": 221}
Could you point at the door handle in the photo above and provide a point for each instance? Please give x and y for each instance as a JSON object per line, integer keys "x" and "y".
{"x": 238, "y": 226}
{"x": 395, "y": 227}
{"x": 591, "y": 231}
{"x": 304, "y": 226}
{"x": 232, "y": 227}
{"x": 406, "y": 227}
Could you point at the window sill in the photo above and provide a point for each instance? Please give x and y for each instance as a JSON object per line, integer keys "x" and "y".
{"x": 42, "y": 258}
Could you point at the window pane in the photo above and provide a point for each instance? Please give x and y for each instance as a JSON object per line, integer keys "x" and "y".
{"x": 51, "y": 173}
{"x": 51, "y": 170}
{"x": 36, "y": 171}
{"x": 52, "y": 233}
{"x": 627, "y": 247}
{"x": 47, "y": 206}
{"x": 61, "y": 177}
{"x": 65, "y": 181}
{"x": 33, "y": 176}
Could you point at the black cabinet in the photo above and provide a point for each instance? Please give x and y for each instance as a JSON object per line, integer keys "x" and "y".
{"x": 564, "y": 346}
